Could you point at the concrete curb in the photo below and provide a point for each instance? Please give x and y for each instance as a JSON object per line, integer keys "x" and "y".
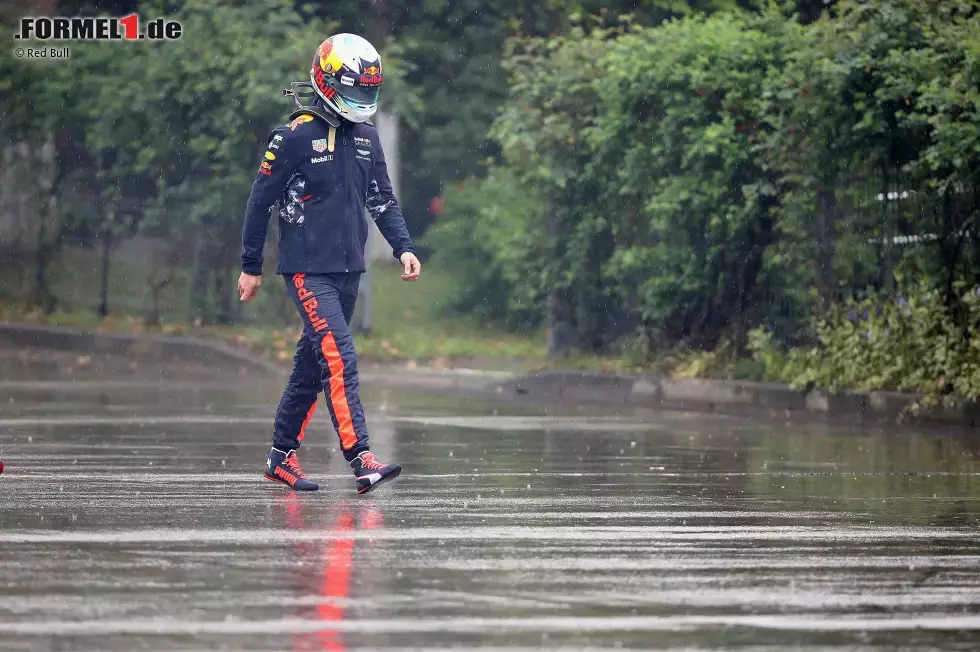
{"x": 728, "y": 396}
{"x": 218, "y": 354}
{"x": 633, "y": 390}
{"x": 176, "y": 349}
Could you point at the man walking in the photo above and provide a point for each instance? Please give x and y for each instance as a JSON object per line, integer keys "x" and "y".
{"x": 321, "y": 170}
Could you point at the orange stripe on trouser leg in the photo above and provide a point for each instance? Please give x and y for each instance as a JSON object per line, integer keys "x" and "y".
{"x": 309, "y": 415}
{"x": 338, "y": 392}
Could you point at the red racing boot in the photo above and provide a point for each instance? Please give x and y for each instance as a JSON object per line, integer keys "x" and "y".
{"x": 284, "y": 467}
{"x": 369, "y": 472}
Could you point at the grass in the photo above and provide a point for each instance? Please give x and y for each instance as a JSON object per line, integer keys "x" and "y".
{"x": 410, "y": 323}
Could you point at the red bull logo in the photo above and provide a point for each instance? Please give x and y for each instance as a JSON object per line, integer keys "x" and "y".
{"x": 309, "y": 303}
{"x": 306, "y": 117}
{"x": 371, "y": 79}
{"x": 372, "y": 70}
{"x": 325, "y": 49}
{"x": 326, "y": 59}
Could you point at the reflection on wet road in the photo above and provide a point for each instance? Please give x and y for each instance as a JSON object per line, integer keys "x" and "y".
{"x": 134, "y": 516}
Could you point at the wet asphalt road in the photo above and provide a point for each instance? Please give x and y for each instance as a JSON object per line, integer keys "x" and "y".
{"x": 133, "y": 516}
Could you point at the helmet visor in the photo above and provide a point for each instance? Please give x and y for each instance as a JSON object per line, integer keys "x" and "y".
{"x": 360, "y": 94}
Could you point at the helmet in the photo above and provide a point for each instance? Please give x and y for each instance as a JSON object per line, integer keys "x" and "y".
{"x": 346, "y": 74}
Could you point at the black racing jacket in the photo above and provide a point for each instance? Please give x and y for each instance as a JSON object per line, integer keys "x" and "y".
{"x": 318, "y": 179}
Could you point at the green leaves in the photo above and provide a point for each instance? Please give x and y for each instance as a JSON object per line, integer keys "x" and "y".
{"x": 191, "y": 113}
{"x": 713, "y": 173}
{"x": 908, "y": 342}
{"x": 492, "y": 236}
{"x": 167, "y": 137}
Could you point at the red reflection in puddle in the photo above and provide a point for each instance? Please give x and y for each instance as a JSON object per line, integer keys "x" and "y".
{"x": 333, "y": 561}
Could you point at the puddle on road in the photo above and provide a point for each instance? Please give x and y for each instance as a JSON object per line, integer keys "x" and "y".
{"x": 134, "y": 515}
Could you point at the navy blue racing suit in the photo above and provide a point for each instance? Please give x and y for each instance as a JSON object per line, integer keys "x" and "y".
{"x": 319, "y": 179}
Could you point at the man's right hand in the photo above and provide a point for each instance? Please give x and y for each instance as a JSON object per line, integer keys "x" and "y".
{"x": 248, "y": 286}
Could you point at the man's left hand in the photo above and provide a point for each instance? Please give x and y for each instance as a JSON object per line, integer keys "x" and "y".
{"x": 411, "y": 267}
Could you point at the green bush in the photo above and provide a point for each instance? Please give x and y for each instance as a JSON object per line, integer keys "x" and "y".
{"x": 702, "y": 177}
{"x": 485, "y": 238}
{"x": 910, "y": 342}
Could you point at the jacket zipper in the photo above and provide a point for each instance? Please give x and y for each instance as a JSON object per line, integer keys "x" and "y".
{"x": 348, "y": 181}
